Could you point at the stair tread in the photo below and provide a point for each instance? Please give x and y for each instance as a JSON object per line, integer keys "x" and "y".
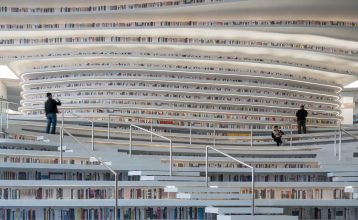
{"x": 212, "y": 196}
{"x": 162, "y": 173}
{"x": 345, "y": 179}
{"x": 256, "y": 217}
{"x": 243, "y": 210}
{"x": 343, "y": 174}
{"x": 171, "y": 178}
{"x": 201, "y": 189}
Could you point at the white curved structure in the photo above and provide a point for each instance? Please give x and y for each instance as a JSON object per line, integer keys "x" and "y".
{"x": 157, "y": 62}
{"x": 216, "y": 71}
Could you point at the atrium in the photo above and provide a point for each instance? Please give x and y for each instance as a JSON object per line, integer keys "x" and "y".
{"x": 168, "y": 109}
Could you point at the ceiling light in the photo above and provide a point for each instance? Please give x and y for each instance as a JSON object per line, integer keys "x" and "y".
{"x": 352, "y": 85}
{"x": 7, "y": 73}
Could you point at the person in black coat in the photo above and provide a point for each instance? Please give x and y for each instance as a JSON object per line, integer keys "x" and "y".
{"x": 277, "y": 135}
{"x": 301, "y": 115}
{"x": 51, "y": 111}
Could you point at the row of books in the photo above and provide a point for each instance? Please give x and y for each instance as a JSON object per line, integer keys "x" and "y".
{"x": 209, "y": 107}
{"x": 102, "y": 213}
{"x": 55, "y": 193}
{"x": 161, "y": 213}
{"x": 242, "y": 70}
{"x": 253, "y": 100}
{"x": 44, "y": 175}
{"x": 176, "y": 40}
{"x": 271, "y": 178}
{"x": 128, "y": 79}
{"x": 299, "y": 193}
{"x": 102, "y": 8}
{"x": 224, "y": 164}
{"x": 338, "y": 213}
{"x": 158, "y": 193}
{"x": 81, "y": 193}
{"x": 178, "y": 66}
{"x": 142, "y": 193}
{"x": 150, "y": 24}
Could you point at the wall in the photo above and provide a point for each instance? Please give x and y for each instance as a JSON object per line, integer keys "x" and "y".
{"x": 3, "y": 90}
{"x": 347, "y": 110}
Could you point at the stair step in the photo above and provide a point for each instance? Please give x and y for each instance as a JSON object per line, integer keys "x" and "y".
{"x": 343, "y": 174}
{"x": 355, "y": 195}
{"x": 173, "y": 178}
{"x": 256, "y": 217}
{"x": 345, "y": 179}
{"x": 212, "y": 196}
{"x": 351, "y": 189}
{"x": 243, "y": 210}
{"x": 201, "y": 189}
{"x": 161, "y": 173}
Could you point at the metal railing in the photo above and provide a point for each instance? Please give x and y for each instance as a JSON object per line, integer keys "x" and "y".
{"x": 121, "y": 116}
{"x": 214, "y": 129}
{"x": 4, "y": 105}
{"x": 251, "y": 127}
{"x": 340, "y": 140}
{"x": 240, "y": 162}
{"x": 152, "y": 133}
{"x": 63, "y": 130}
{"x": 92, "y": 125}
{"x": 190, "y": 138}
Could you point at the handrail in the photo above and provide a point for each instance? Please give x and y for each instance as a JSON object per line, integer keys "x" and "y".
{"x": 347, "y": 132}
{"x": 153, "y": 133}
{"x": 340, "y": 140}
{"x": 102, "y": 163}
{"x": 251, "y": 130}
{"x": 240, "y": 162}
{"x": 91, "y": 121}
{"x": 190, "y": 129}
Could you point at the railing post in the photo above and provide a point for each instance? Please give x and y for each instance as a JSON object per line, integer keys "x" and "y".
{"x": 190, "y": 135}
{"x": 340, "y": 144}
{"x": 206, "y": 166}
{"x": 253, "y": 190}
{"x": 7, "y": 115}
{"x": 214, "y": 138}
{"x": 151, "y": 129}
{"x": 335, "y": 142}
{"x": 170, "y": 157}
{"x": 130, "y": 140}
{"x": 251, "y": 136}
{"x": 240, "y": 162}
{"x": 1, "y": 111}
{"x": 291, "y": 130}
{"x": 92, "y": 135}
{"x": 116, "y": 196}
{"x": 109, "y": 127}
{"x": 62, "y": 134}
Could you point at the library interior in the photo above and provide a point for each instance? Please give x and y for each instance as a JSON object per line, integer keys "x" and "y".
{"x": 178, "y": 109}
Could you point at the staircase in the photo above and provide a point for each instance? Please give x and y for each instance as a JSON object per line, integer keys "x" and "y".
{"x": 227, "y": 203}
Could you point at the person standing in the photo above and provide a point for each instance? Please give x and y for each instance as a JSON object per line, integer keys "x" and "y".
{"x": 277, "y": 135}
{"x": 301, "y": 115}
{"x": 51, "y": 111}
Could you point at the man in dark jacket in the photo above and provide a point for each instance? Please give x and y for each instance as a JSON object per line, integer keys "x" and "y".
{"x": 51, "y": 111}
{"x": 301, "y": 119}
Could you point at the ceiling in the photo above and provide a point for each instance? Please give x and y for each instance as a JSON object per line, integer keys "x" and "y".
{"x": 339, "y": 67}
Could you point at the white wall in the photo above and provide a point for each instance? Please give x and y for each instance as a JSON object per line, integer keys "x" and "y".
{"x": 347, "y": 110}
{"x": 3, "y": 90}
